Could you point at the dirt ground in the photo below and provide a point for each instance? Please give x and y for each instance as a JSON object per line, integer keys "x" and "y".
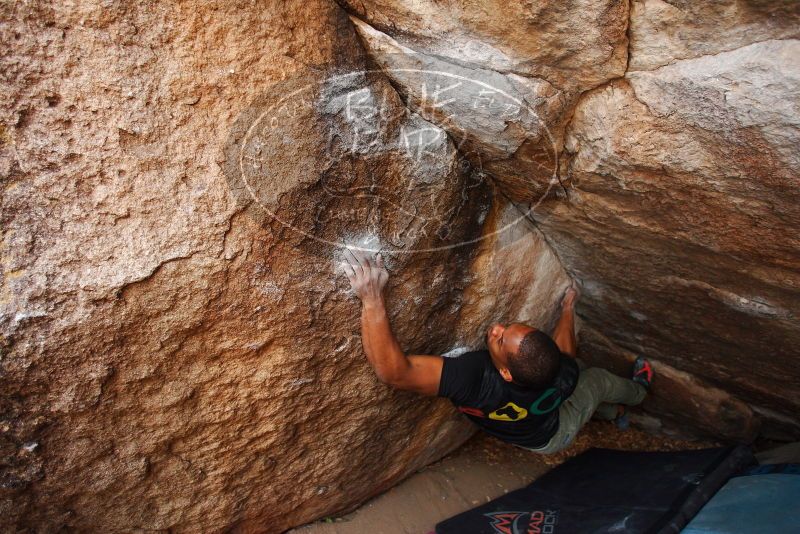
{"x": 483, "y": 469}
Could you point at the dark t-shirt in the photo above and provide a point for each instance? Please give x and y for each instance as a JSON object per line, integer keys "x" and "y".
{"x": 512, "y": 413}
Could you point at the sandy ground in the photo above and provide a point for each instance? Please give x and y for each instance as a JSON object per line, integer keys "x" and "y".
{"x": 484, "y": 468}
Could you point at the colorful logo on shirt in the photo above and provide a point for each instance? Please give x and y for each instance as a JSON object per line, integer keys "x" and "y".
{"x": 471, "y": 411}
{"x": 538, "y": 409}
{"x": 509, "y": 412}
{"x": 546, "y": 403}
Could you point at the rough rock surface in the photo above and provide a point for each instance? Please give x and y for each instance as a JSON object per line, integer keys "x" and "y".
{"x": 574, "y": 45}
{"x": 513, "y": 74}
{"x": 664, "y": 32}
{"x": 178, "y": 351}
{"x": 515, "y": 277}
{"x": 715, "y": 412}
{"x": 678, "y": 192}
{"x": 687, "y": 177}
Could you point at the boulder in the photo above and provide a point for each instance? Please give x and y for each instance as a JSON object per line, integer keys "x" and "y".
{"x": 682, "y": 195}
{"x": 574, "y": 46}
{"x": 665, "y": 32}
{"x": 505, "y": 79}
{"x": 674, "y": 198}
{"x": 502, "y": 123}
{"x": 179, "y": 350}
{"x": 716, "y": 414}
{"x": 516, "y": 277}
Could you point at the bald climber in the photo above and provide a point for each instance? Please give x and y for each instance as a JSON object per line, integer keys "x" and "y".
{"x": 526, "y": 388}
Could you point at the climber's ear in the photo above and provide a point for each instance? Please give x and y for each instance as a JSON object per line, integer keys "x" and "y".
{"x": 506, "y": 374}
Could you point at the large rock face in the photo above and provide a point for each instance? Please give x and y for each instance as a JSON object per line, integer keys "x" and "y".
{"x": 177, "y": 349}
{"x": 686, "y": 175}
{"x": 179, "y": 352}
{"x": 515, "y": 275}
{"x": 513, "y": 74}
{"x": 575, "y": 45}
{"x": 665, "y": 32}
{"x": 677, "y": 195}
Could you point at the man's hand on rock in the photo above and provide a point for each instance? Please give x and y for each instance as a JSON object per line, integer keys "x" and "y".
{"x": 366, "y": 274}
{"x": 564, "y": 333}
{"x": 571, "y": 296}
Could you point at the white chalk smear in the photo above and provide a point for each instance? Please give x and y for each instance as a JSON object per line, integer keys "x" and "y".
{"x": 638, "y": 316}
{"x": 369, "y": 243}
{"x": 454, "y": 352}
{"x": 299, "y": 382}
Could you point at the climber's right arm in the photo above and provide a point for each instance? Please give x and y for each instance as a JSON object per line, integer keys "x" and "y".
{"x": 420, "y": 373}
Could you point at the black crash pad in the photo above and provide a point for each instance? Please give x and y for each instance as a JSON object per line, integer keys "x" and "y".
{"x": 606, "y": 491}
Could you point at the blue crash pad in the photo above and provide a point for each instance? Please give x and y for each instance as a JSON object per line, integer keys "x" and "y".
{"x": 767, "y": 501}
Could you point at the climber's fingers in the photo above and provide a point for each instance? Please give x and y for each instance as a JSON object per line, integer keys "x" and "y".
{"x": 370, "y": 259}
{"x": 380, "y": 269}
{"x": 363, "y": 259}
{"x": 349, "y": 272}
{"x": 355, "y": 264}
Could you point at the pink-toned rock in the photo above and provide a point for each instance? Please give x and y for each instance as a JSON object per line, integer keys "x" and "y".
{"x": 179, "y": 351}
{"x": 665, "y": 32}
{"x": 715, "y": 413}
{"x": 682, "y": 192}
{"x": 573, "y": 46}
{"x": 676, "y": 185}
{"x": 516, "y": 277}
{"x": 177, "y": 348}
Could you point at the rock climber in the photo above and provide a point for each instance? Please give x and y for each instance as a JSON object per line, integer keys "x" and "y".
{"x": 526, "y": 388}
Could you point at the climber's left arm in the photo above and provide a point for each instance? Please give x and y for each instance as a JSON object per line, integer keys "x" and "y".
{"x": 564, "y": 333}
{"x": 419, "y": 373}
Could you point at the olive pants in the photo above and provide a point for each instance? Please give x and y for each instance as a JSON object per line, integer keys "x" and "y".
{"x": 597, "y": 391}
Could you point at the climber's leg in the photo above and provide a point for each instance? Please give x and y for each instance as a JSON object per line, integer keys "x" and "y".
{"x": 607, "y": 412}
{"x": 595, "y": 386}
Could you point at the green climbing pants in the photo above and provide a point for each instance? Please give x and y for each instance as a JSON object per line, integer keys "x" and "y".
{"x": 596, "y": 388}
